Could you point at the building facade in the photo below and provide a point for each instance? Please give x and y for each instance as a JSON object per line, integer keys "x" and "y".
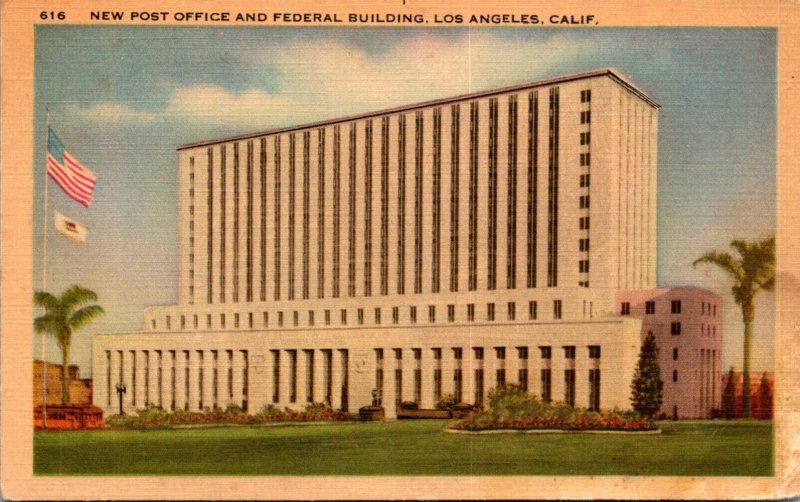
{"x": 687, "y": 324}
{"x": 445, "y": 247}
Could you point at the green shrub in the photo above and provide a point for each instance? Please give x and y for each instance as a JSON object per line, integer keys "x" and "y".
{"x": 446, "y": 402}
{"x": 409, "y": 405}
{"x": 151, "y": 412}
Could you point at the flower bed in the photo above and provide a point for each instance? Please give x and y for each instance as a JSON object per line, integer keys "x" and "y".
{"x": 511, "y": 408}
{"x": 158, "y": 418}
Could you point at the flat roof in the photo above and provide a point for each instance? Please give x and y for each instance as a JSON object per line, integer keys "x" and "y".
{"x": 613, "y": 73}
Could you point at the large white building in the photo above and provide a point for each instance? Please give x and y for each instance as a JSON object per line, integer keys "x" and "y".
{"x": 438, "y": 248}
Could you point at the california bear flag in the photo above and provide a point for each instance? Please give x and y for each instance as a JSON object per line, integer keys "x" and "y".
{"x": 71, "y": 229}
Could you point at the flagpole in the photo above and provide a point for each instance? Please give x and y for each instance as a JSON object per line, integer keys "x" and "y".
{"x": 44, "y": 271}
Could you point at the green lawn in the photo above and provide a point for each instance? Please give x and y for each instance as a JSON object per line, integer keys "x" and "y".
{"x": 693, "y": 448}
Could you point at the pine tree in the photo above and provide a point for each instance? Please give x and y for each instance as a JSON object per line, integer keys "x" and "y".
{"x": 647, "y": 387}
{"x": 729, "y": 395}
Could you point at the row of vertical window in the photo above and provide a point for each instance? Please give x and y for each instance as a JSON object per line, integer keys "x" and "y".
{"x": 294, "y": 317}
{"x": 479, "y": 384}
{"x": 289, "y": 367}
{"x": 165, "y": 364}
{"x": 650, "y": 307}
{"x": 304, "y": 206}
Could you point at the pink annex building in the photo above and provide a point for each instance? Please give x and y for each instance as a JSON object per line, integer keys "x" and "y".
{"x": 687, "y": 323}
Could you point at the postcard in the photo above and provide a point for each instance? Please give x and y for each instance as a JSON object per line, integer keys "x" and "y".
{"x": 461, "y": 250}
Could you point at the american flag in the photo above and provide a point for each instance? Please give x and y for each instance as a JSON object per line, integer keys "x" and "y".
{"x": 67, "y": 172}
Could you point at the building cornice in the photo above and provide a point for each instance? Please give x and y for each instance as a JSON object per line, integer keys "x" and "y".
{"x": 612, "y": 73}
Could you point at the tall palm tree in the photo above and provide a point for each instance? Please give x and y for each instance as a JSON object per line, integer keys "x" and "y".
{"x": 752, "y": 272}
{"x": 62, "y": 317}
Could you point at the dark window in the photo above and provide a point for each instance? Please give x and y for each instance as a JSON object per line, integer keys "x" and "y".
{"x": 625, "y": 308}
{"x": 585, "y": 138}
{"x": 583, "y": 266}
{"x": 585, "y": 180}
{"x": 583, "y": 244}
{"x": 532, "y": 310}
{"x": 594, "y": 389}
{"x": 478, "y": 352}
{"x": 490, "y": 312}
{"x": 512, "y": 311}
{"x": 650, "y": 307}
{"x": 583, "y": 202}
{"x": 594, "y": 352}
{"x": 377, "y": 315}
{"x": 675, "y": 354}
{"x": 451, "y": 313}
{"x": 583, "y": 223}
{"x": 569, "y": 352}
{"x": 431, "y": 313}
{"x": 395, "y": 315}
{"x": 360, "y": 316}
{"x": 546, "y": 352}
{"x": 569, "y": 387}
{"x": 412, "y": 312}
{"x": 674, "y": 375}
{"x": 522, "y": 353}
{"x": 500, "y": 352}
{"x": 676, "y": 328}
{"x": 586, "y": 96}
{"x": 523, "y": 379}
{"x": 676, "y": 306}
{"x": 546, "y": 387}
{"x": 556, "y": 309}
{"x": 470, "y": 311}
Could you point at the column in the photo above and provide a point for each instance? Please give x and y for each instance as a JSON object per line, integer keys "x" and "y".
{"x": 407, "y": 364}
{"x": 513, "y": 364}
{"x": 522, "y": 195}
{"x": 376, "y": 207}
{"x": 582, "y": 365}
{"x": 483, "y": 196}
{"x": 230, "y": 200}
{"x": 283, "y": 173}
{"x": 389, "y": 365}
{"x": 490, "y": 365}
{"x": 152, "y": 378}
{"x": 502, "y": 195}
{"x": 358, "y": 208}
{"x": 469, "y": 365}
{"x": 427, "y": 201}
{"x": 337, "y": 377}
{"x": 192, "y": 396}
{"x": 180, "y": 380}
{"x": 313, "y": 217}
{"x": 327, "y": 260}
{"x": 238, "y": 366}
{"x": 393, "y": 142}
{"x": 115, "y": 365}
{"x": 139, "y": 391}
{"x": 557, "y": 365}
{"x": 445, "y": 203}
{"x": 166, "y": 382}
{"x": 268, "y": 237}
{"x": 286, "y": 378}
{"x": 448, "y": 369}
{"x": 303, "y": 368}
{"x": 127, "y": 399}
{"x": 427, "y": 364}
{"x": 319, "y": 375}
{"x": 208, "y": 377}
{"x": 463, "y": 200}
{"x": 408, "y": 231}
{"x": 223, "y": 399}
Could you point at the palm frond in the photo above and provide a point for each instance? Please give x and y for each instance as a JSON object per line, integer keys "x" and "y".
{"x": 45, "y": 300}
{"x": 724, "y": 261}
{"x": 77, "y": 295}
{"x": 47, "y": 323}
{"x": 84, "y": 316}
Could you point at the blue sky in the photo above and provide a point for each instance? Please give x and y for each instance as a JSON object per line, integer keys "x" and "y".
{"x": 122, "y": 99}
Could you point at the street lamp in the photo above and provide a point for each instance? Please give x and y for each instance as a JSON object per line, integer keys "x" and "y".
{"x": 121, "y": 389}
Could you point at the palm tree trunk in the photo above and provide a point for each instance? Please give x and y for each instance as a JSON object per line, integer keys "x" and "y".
{"x": 65, "y": 374}
{"x": 748, "y": 314}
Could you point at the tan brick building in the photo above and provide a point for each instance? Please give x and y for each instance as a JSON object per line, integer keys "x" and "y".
{"x": 437, "y": 248}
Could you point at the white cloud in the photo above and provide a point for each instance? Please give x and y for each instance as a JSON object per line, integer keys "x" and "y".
{"x": 329, "y": 78}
